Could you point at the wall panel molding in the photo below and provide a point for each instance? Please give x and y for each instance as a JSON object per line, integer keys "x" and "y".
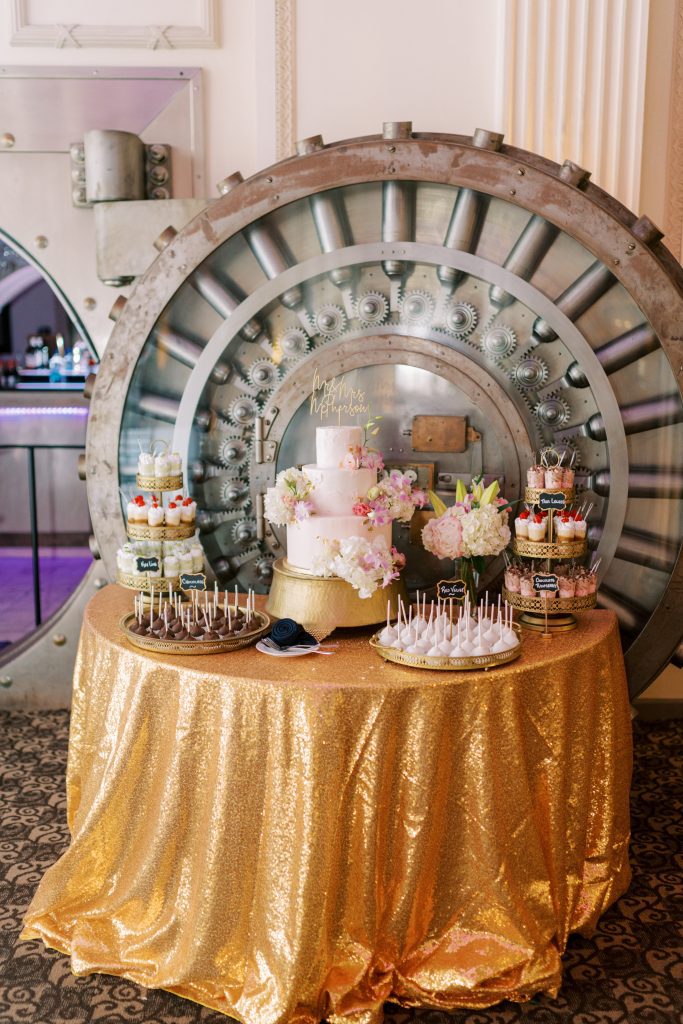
{"x": 66, "y": 33}
{"x": 574, "y": 85}
{"x": 673, "y": 218}
{"x": 285, "y": 78}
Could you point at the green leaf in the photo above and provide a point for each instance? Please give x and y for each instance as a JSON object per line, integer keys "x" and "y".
{"x": 437, "y": 503}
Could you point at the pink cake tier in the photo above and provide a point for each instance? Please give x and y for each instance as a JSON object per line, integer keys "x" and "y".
{"x": 336, "y": 491}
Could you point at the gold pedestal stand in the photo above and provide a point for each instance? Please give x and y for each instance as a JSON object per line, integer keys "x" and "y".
{"x": 322, "y": 604}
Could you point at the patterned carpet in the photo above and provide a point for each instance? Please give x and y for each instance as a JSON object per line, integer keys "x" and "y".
{"x": 630, "y": 971}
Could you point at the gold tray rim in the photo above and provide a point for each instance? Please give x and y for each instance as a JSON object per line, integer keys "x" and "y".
{"x": 532, "y": 494}
{"x": 159, "y": 483}
{"x": 558, "y": 604}
{"x": 547, "y": 549}
{"x": 193, "y": 648}
{"x": 137, "y": 531}
{"x": 132, "y": 582}
{"x": 446, "y": 664}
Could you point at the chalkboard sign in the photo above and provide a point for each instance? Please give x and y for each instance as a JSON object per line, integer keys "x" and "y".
{"x": 192, "y": 581}
{"x": 545, "y": 582}
{"x": 547, "y": 500}
{"x": 147, "y": 564}
{"x": 456, "y": 589}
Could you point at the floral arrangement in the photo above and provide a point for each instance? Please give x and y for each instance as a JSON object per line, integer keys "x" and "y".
{"x": 365, "y": 564}
{"x": 287, "y": 502}
{"x": 475, "y": 526}
{"x": 392, "y": 498}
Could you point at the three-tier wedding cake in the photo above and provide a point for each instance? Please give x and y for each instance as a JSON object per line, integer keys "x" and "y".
{"x": 336, "y": 486}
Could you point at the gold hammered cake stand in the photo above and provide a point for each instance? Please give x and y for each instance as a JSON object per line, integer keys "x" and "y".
{"x": 321, "y": 604}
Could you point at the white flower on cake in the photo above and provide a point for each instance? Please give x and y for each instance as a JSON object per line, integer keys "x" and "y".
{"x": 286, "y": 503}
{"x": 365, "y": 564}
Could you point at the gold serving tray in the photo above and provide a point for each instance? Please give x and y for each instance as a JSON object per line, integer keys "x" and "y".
{"x": 532, "y": 494}
{"x": 554, "y": 604}
{"x": 446, "y": 664}
{"x": 542, "y": 549}
{"x": 191, "y": 648}
{"x": 145, "y": 582}
{"x": 160, "y": 483}
{"x": 140, "y": 531}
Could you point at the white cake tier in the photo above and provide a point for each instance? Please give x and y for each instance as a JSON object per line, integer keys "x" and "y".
{"x": 305, "y": 541}
{"x": 332, "y": 444}
{"x": 338, "y": 490}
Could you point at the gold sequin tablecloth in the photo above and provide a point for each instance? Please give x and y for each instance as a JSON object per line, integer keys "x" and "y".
{"x": 306, "y": 838}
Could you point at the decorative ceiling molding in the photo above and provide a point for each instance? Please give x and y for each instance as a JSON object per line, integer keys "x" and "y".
{"x": 673, "y": 215}
{"x": 573, "y": 85}
{"x": 285, "y": 78}
{"x": 151, "y": 37}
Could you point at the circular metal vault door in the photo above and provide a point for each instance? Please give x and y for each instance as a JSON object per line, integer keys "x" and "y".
{"x": 430, "y": 267}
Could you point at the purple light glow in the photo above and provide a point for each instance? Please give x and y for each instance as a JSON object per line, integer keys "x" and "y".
{"x": 43, "y": 410}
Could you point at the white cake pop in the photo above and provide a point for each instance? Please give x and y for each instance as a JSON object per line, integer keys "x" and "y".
{"x": 466, "y": 643}
{"x": 388, "y": 634}
{"x": 456, "y": 647}
{"x": 482, "y": 649}
{"x": 509, "y": 634}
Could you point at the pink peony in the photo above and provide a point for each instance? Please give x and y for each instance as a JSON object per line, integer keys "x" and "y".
{"x": 443, "y": 536}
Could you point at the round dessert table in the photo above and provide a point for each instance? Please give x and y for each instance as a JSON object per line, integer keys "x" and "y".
{"x": 305, "y": 838}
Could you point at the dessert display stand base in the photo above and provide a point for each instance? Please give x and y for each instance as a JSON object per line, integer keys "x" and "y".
{"x": 553, "y": 615}
{"x": 323, "y": 603}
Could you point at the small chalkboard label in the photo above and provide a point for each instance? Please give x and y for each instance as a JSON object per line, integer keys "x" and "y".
{"x": 192, "y": 581}
{"x": 545, "y": 582}
{"x": 147, "y": 564}
{"x": 547, "y": 500}
{"x": 451, "y": 588}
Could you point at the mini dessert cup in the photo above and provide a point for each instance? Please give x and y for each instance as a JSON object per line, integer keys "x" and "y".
{"x": 185, "y": 562}
{"x": 582, "y": 586}
{"x": 171, "y": 566}
{"x": 155, "y": 515}
{"x": 526, "y": 586}
{"x": 522, "y": 526}
{"x": 580, "y": 526}
{"x": 535, "y": 477}
{"x": 512, "y": 581}
{"x": 567, "y": 587}
{"x": 567, "y": 478}
{"x": 188, "y": 510}
{"x": 175, "y": 464}
{"x": 537, "y": 530}
{"x": 173, "y": 514}
{"x": 146, "y": 464}
{"x": 591, "y": 583}
{"x": 162, "y": 465}
{"x": 564, "y": 528}
{"x": 554, "y": 477}
{"x": 197, "y": 555}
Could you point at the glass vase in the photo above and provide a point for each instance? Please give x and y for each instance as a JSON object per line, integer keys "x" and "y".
{"x": 465, "y": 571}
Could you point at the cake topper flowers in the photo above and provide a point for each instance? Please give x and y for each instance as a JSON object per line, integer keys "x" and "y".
{"x": 287, "y": 503}
{"x": 363, "y": 456}
{"x": 392, "y": 498}
{"x": 365, "y": 564}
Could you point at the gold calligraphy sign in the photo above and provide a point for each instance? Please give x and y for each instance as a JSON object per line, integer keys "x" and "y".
{"x": 336, "y": 397}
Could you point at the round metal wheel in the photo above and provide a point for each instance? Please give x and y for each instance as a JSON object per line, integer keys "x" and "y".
{"x": 439, "y": 275}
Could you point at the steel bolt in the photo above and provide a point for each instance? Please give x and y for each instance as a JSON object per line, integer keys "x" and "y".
{"x": 42, "y": 242}
{"x": 58, "y": 639}
{"x": 89, "y": 302}
{"x": 5, "y": 681}
{"x": 7, "y": 140}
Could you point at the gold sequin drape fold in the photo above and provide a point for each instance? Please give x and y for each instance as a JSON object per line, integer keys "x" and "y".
{"x": 293, "y": 839}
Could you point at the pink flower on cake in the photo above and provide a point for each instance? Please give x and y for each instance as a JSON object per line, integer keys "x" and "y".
{"x": 287, "y": 503}
{"x": 349, "y": 461}
{"x": 361, "y": 508}
{"x": 364, "y": 564}
{"x": 302, "y": 510}
{"x": 443, "y": 536}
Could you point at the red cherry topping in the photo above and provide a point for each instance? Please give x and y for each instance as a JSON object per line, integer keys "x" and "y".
{"x": 178, "y": 497}
{"x": 139, "y": 500}
{"x": 172, "y": 504}
{"x": 578, "y": 517}
{"x": 525, "y": 514}
{"x": 538, "y": 518}
{"x": 187, "y": 501}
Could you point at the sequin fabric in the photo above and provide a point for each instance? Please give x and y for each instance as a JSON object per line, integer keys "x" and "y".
{"x": 299, "y": 839}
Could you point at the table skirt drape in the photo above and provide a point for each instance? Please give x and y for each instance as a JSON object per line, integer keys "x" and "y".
{"x": 299, "y": 839}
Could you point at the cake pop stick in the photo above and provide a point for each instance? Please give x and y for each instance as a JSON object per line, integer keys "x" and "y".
{"x": 450, "y": 618}
{"x": 236, "y": 604}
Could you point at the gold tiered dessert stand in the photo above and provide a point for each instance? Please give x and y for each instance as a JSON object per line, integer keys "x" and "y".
{"x": 549, "y": 612}
{"x": 323, "y": 603}
{"x": 146, "y": 582}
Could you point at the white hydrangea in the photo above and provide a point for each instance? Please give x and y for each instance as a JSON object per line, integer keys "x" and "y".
{"x": 484, "y": 532}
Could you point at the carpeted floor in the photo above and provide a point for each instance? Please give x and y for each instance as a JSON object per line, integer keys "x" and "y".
{"x": 630, "y": 972}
